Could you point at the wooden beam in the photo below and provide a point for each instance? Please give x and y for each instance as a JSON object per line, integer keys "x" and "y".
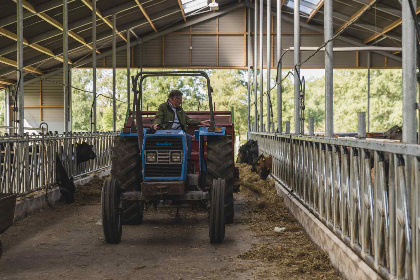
{"x": 356, "y": 16}
{"x": 182, "y": 10}
{"x": 104, "y": 19}
{"x": 314, "y": 12}
{"x": 7, "y": 82}
{"x": 55, "y": 23}
{"x": 146, "y": 15}
{"x": 13, "y": 63}
{"x": 37, "y": 47}
{"x": 386, "y": 29}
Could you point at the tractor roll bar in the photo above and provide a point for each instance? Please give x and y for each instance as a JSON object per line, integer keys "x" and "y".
{"x": 138, "y": 101}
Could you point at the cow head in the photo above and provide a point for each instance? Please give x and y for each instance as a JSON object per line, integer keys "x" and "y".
{"x": 84, "y": 152}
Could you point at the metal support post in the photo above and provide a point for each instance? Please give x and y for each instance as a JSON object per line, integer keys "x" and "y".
{"x": 361, "y": 124}
{"x": 311, "y": 127}
{"x": 368, "y": 93}
{"x": 94, "y": 66}
{"x": 329, "y": 65}
{"x": 128, "y": 69}
{"x": 114, "y": 72}
{"x": 287, "y": 127}
{"x": 70, "y": 100}
{"x": 261, "y": 66}
{"x": 409, "y": 134}
{"x": 256, "y": 64}
{"x": 20, "y": 93}
{"x": 296, "y": 62}
{"x": 268, "y": 65}
{"x": 7, "y": 106}
{"x": 249, "y": 68}
{"x": 66, "y": 65}
{"x": 279, "y": 89}
{"x": 409, "y": 74}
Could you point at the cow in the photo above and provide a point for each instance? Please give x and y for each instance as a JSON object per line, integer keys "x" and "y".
{"x": 248, "y": 151}
{"x": 264, "y": 167}
{"x": 394, "y": 133}
{"x": 65, "y": 184}
{"x": 84, "y": 152}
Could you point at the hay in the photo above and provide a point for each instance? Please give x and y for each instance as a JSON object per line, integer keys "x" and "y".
{"x": 291, "y": 251}
{"x": 90, "y": 193}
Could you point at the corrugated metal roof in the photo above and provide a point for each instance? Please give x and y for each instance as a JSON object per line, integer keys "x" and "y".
{"x": 163, "y": 14}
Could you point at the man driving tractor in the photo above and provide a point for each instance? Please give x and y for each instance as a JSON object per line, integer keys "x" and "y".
{"x": 170, "y": 115}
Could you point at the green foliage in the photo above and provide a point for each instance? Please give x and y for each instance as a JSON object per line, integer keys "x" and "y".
{"x": 230, "y": 91}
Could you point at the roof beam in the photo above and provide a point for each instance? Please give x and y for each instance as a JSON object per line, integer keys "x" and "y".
{"x": 144, "y": 39}
{"x": 356, "y": 16}
{"x": 75, "y": 46}
{"x": 99, "y": 14}
{"x": 7, "y": 82}
{"x": 314, "y": 12}
{"x": 13, "y": 63}
{"x": 386, "y": 29}
{"x": 146, "y": 15}
{"x": 182, "y": 10}
{"x": 341, "y": 38}
{"x": 72, "y": 25}
{"x": 388, "y": 10}
{"x": 81, "y": 22}
{"x": 37, "y": 47}
{"x": 124, "y": 27}
{"x": 53, "y": 22}
{"x": 51, "y": 4}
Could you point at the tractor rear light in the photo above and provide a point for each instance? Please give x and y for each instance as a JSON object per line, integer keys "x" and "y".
{"x": 151, "y": 157}
{"x": 176, "y": 156}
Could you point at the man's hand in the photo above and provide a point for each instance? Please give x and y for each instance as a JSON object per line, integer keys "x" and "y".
{"x": 156, "y": 126}
{"x": 205, "y": 123}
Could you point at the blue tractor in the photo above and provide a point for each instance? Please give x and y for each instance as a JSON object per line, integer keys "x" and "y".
{"x": 149, "y": 167}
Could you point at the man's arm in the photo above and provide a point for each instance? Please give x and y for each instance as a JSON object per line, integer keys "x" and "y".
{"x": 159, "y": 115}
{"x": 192, "y": 121}
{"x": 197, "y": 122}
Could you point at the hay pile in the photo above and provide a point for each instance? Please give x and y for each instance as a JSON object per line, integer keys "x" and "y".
{"x": 90, "y": 193}
{"x": 291, "y": 251}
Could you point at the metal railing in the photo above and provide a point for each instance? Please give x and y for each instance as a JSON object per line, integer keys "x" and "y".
{"x": 366, "y": 192}
{"x": 28, "y": 163}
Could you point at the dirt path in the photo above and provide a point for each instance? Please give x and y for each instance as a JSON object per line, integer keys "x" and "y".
{"x": 66, "y": 242}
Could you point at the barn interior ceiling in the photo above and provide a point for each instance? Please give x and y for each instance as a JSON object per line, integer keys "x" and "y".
{"x": 378, "y": 24}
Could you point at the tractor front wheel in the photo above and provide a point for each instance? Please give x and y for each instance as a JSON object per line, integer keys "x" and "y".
{"x": 220, "y": 164}
{"x": 111, "y": 212}
{"x": 126, "y": 169}
{"x": 217, "y": 211}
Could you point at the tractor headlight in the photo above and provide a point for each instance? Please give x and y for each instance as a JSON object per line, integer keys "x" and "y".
{"x": 151, "y": 156}
{"x": 176, "y": 156}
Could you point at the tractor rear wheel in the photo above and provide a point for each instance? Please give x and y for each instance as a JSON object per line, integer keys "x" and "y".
{"x": 111, "y": 212}
{"x": 126, "y": 169}
{"x": 217, "y": 209}
{"x": 220, "y": 164}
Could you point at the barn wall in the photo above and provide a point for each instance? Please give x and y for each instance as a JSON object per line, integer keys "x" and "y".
{"x": 222, "y": 43}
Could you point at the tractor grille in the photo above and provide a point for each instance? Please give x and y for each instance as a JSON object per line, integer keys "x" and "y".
{"x": 163, "y": 147}
{"x": 163, "y": 143}
{"x": 163, "y": 170}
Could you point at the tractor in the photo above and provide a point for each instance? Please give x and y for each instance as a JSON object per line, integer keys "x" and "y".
{"x": 150, "y": 167}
